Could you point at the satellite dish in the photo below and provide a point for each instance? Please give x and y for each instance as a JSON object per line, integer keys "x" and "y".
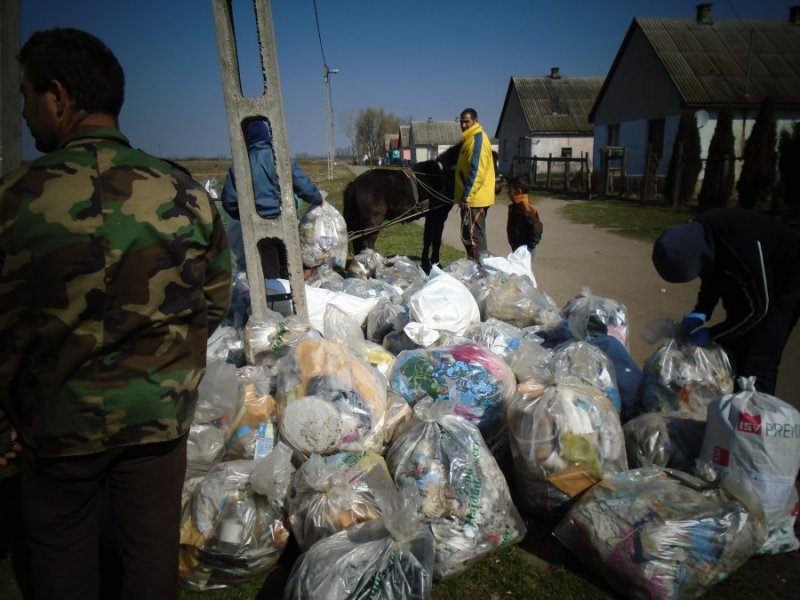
{"x": 701, "y": 117}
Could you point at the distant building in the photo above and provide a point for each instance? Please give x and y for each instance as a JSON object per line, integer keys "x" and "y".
{"x": 666, "y": 66}
{"x": 405, "y": 144}
{"x": 546, "y": 115}
{"x": 428, "y": 139}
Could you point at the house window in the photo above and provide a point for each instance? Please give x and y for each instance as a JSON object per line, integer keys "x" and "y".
{"x": 566, "y": 153}
{"x": 655, "y": 136}
{"x": 612, "y": 131}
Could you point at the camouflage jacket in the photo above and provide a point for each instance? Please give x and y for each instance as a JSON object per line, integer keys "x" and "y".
{"x": 114, "y": 270}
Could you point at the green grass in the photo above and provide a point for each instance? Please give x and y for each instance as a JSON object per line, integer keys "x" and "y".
{"x": 625, "y": 218}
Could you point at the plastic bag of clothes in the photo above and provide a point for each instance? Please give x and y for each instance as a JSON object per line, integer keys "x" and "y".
{"x": 478, "y": 380}
{"x": 515, "y": 300}
{"x": 234, "y": 526}
{"x": 759, "y": 435}
{"x": 331, "y": 493}
{"x": 590, "y": 315}
{"x": 681, "y": 376}
{"x": 323, "y": 237}
{"x": 664, "y": 439}
{"x": 331, "y": 400}
{"x": 389, "y": 558}
{"x": 564, "y": 438}
{"x": 660, "y": 534}
{"x": 465, "y": 497}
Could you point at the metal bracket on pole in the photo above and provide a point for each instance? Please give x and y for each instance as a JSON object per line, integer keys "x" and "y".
{"x": 269, "y": 106}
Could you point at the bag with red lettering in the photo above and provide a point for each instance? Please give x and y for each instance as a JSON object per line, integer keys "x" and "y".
{"x": 759, "y": 435}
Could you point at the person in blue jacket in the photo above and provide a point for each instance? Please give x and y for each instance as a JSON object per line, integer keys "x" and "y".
{"x": 267, "y": 196}
{"x": 750, "y": 261}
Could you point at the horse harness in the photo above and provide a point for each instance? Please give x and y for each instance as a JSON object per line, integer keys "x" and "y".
{"x": 417, "y": 210}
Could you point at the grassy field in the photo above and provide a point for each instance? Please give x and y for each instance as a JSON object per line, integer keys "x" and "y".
{"x": 539, "y": 567}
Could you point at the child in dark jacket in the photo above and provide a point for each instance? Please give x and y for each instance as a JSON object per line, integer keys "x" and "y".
{"x": 524, "y": 228}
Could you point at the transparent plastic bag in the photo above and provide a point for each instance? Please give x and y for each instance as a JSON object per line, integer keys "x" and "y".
{"x": 330, "y": 400}
{"x": 681, "y": 376}
{"x": 478, "y": 380}
{"x": 515, "y": 300}
{"x": 389, "y": 558}
{"x": 265, "y": 342}
{"x": 326, "y": 278}
{"x": 662, "y": 534}
{"x": 589, "y": 315}
{"x": 465, "y": 497}
{"x": 664, "y": 439}
{"x": 255, "y": 429}
{"x": 332, "y": 493}
{"x": 384, "y": 319}
{"x": 564, "y": 438}
{"x": 400, "y": 272}
{"x": 323, "y": 237}
{"x": 229, "y": 532}
{"x": 364, "y": 264}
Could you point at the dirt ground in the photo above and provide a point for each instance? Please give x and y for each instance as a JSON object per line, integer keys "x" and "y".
{"x": 572, "y": 256}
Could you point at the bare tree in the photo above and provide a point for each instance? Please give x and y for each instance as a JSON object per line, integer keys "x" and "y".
{"x": 371, "y": 125}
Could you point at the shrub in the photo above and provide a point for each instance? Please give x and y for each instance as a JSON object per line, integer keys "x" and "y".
{"x": 719, "y": 177}
{"x": 757, "y": 178}
{"x": 684, "y": 164}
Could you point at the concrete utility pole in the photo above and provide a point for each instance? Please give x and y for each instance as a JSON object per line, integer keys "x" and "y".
{"x": 326, "y": 73}
{"x": 10, "y": 147}
{"x": 240, "y": 108}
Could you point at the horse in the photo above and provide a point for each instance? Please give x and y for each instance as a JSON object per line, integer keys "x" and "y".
{"x": 399, "y": 196}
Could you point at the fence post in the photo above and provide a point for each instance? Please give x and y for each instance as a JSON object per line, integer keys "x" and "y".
{"x": 549, "y": 170}
{"x": 676, "y": 184}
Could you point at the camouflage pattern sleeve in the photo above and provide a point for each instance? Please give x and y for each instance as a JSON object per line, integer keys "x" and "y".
{"x": 114, "y": 268}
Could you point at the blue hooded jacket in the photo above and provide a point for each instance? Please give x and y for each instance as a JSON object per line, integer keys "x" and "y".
{"x": 265, "y": 179}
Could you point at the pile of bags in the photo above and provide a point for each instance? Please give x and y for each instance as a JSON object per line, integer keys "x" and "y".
{"x": 382, "y": 435}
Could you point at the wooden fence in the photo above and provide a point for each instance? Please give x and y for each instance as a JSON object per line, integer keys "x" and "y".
{"x": 563, "y": 174}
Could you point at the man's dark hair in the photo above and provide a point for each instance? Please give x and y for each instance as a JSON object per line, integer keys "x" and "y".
{"x": 518, "y": 182}
{"x": 80, "y": 62}
{"x": 471, "y": 112}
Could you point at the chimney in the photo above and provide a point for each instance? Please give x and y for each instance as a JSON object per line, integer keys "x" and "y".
{"x": 794, "y": 14}
{"x": 704, "y": 14}
{"x": 554, "y": 73}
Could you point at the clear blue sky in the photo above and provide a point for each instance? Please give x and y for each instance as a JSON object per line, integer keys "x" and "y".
{"x": 414, "y": 58}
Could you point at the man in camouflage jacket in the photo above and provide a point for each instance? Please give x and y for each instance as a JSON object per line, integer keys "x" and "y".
{"x": 114, "y": 270}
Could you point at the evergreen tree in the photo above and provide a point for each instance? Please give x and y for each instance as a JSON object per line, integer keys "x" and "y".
{"x": 684, "y": 164}
{"x": 720, "y": 165}
{"x": 757, "y": 178}
{"x": 789, "y": 167}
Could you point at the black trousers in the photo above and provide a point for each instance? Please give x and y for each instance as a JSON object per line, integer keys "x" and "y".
{"x": 62, "y": 501}
{"x": 758, "y": 353}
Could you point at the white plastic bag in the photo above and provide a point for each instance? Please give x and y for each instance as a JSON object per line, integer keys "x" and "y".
{"x": 759, "y": 435}
{"x": 443, "y": 305}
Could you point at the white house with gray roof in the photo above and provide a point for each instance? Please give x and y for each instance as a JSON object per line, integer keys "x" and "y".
{"x": 546, "y": 115}
{"x": 666, "y": 66}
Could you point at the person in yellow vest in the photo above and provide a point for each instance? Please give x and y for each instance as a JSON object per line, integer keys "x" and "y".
{"x": 475, "y": 183}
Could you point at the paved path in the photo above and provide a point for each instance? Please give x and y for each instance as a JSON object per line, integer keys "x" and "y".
{"x": 572, "y": 256}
